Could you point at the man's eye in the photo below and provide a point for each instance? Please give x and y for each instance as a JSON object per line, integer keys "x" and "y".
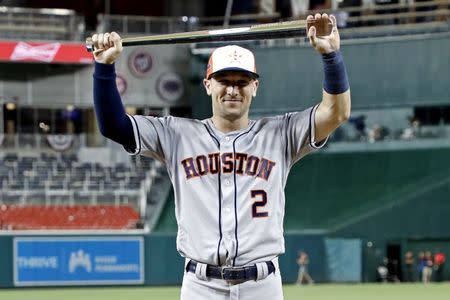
{"x": 241, "y": 83}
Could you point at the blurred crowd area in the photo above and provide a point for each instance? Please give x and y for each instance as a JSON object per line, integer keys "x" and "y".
{"x": 424, "y": 266}
{"x": 420, "y": 123}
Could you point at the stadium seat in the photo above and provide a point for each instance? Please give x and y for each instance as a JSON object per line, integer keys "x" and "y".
{"x": 68, "y": 217}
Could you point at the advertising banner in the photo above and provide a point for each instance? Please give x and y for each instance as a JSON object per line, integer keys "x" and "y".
{"x": 52, "y": 52}
{"x": 78, "y": 261}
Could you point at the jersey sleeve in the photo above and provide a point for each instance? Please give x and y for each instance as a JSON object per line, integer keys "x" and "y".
{"x": 153, "y": 136}
{"x": 299, "y": 133}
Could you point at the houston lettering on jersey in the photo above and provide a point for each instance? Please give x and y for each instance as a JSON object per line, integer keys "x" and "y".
{"x": 243, "y": 163}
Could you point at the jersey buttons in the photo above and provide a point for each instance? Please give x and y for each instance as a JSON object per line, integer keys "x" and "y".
{"x": 227, "y": 182}
{"x": 227, "y": 138}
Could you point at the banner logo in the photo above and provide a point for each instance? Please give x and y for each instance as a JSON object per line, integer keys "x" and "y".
{"x": 45, "y": 52}
{"x": 170, "y": 87}
{"x": 80, "y": 259}
{"x": 121, "y": 83}
{"x": 60, "y": 142}
{"x": 140, "y": 63}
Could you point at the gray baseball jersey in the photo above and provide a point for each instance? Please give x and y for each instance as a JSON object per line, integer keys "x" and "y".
{"x": 229, "y": 188}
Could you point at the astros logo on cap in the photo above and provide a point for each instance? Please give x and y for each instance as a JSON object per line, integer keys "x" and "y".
{"x": 231, "y": 58}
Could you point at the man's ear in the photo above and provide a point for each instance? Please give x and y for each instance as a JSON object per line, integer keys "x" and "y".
{"x": 207, "y": 85}
{"x": 255, "y": 87}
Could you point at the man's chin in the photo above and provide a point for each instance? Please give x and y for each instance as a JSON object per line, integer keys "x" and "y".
{"x": 233, "y": 115}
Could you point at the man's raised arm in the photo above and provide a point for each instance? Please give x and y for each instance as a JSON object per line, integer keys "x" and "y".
{"x": 111, "y": 117}
{"x": 335, "y": 106}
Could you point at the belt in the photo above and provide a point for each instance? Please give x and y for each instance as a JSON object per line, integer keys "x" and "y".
{"x": 233, "y": 274}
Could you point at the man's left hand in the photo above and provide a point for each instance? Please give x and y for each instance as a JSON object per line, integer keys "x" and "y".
{"x": 324, "y": 44}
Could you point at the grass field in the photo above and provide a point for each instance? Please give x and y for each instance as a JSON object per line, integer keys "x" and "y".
{"x": 291, "y": 292}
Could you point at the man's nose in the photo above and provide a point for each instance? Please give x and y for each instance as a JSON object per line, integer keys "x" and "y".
{"x": 232, "y": 89}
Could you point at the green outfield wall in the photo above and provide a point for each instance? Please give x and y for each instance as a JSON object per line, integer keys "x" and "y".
{"x": 164, "y": 266}
{"x": 331, "y": 259}
{"x": 371, "y": 194}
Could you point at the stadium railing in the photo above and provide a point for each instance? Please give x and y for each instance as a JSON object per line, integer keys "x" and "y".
{"x": 64, "y": 24}
{"x": 41, "y": 24}
{"x": 24, "y": 141}
{"x": 368, "y": 20}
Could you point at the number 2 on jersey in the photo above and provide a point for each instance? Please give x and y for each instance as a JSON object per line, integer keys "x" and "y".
{"x": 260, "y": 200}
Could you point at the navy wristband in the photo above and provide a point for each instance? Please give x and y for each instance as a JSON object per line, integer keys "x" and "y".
{"x": 335, "y": 79}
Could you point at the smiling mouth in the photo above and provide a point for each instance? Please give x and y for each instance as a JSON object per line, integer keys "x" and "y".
{"x": 232, "y": 100}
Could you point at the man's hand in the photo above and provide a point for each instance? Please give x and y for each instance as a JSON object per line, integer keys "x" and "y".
{"x": 107, "y": 47}
{"x": 324, "y": 44}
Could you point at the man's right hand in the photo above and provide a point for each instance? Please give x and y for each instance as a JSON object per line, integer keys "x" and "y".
{"x": 107, "y": 47}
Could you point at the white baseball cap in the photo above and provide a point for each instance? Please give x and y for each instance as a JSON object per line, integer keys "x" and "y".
{"x": 231, "y": 58}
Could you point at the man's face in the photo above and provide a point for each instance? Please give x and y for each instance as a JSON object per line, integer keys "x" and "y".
{"x": 231, "y": 94}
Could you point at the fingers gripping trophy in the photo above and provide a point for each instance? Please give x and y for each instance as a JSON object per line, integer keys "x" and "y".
{"x": 228, "y": 171}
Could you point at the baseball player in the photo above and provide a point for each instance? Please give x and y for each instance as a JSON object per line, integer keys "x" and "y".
{"x": 228, "y": 172}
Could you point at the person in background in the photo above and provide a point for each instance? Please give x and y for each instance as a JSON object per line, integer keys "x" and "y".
{"x": 303, "y": 273}
{"x": 409, "y": 266}
{"x": 421, "y": 264}
{"x": 359, "y": 123}
{"x": 393, "y": 270}
{"x": 427, "y": 272}
{"x": 439, "y": 261}
{"x": 382, "y": 271}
